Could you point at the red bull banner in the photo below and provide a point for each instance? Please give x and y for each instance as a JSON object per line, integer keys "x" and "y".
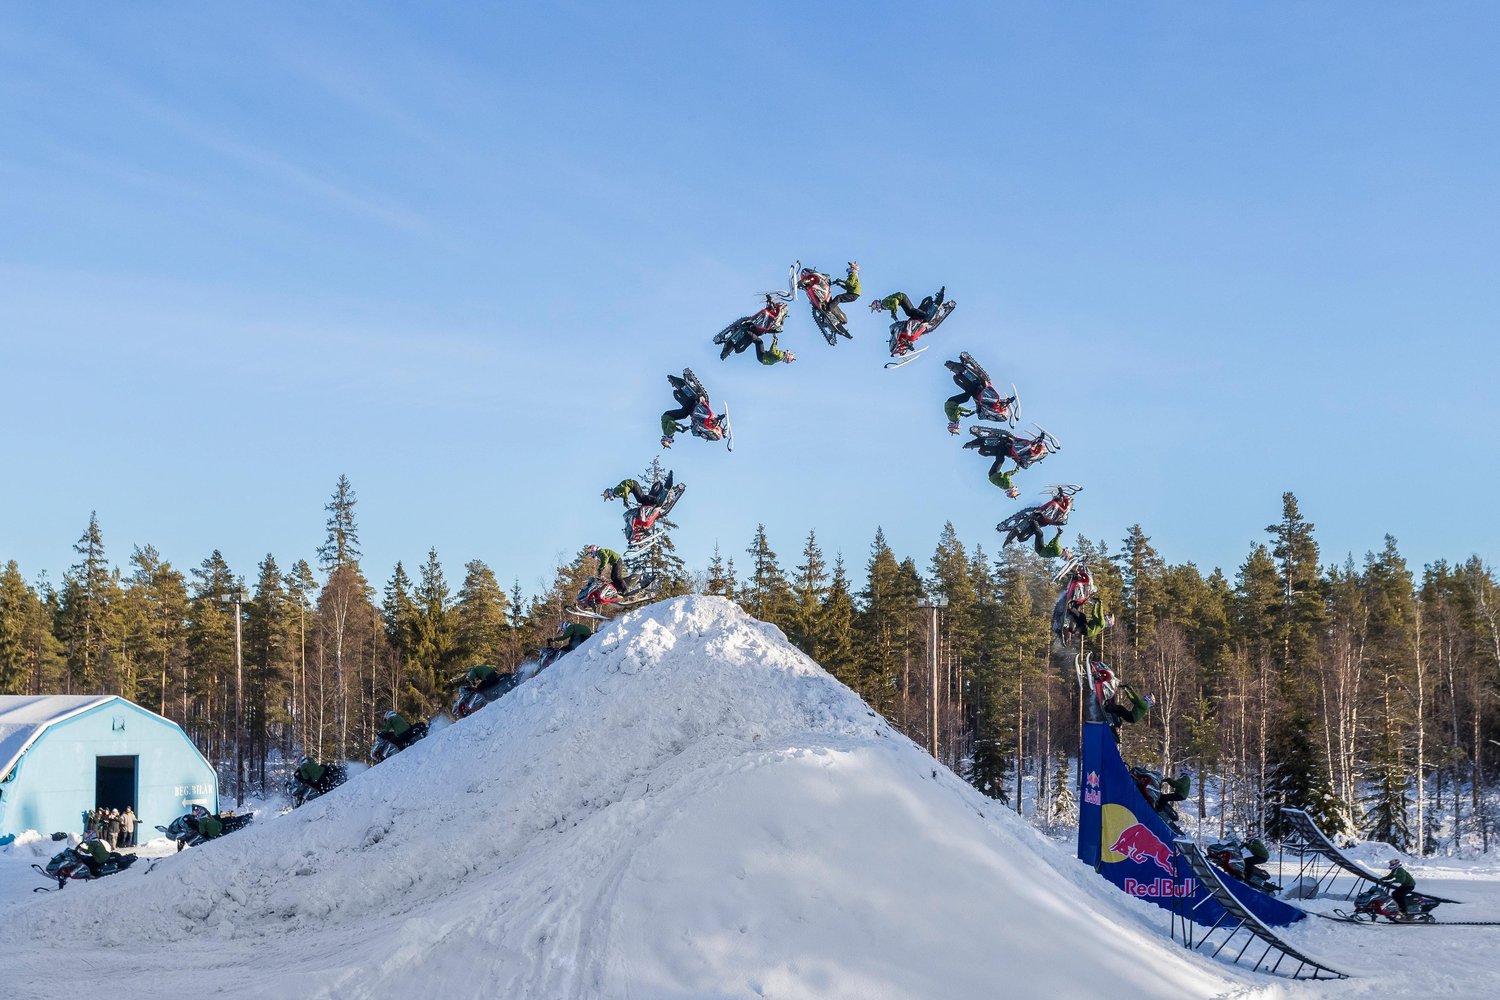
{"x": 1121, "y": 837}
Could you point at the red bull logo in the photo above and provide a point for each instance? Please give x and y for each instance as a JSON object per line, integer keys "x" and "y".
{"x": 1138, "y": 843}
{"x": 1160, "y": 888}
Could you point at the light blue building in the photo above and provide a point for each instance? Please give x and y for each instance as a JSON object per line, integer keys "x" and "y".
{"x": 62, "y": 755}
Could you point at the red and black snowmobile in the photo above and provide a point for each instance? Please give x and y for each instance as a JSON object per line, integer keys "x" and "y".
{"x": 599, "y": 594}
{"x": 993, "y": 442}
{"x": 766, "y": 323}
{"x": 640, "y": 522}
{"x": 1051, "y": 514}
{"x": 829, "y": 318}
{"x": 906, "y": 332}
{"x": 703, "y": 422}
{"x": 988, "y": 403}
{"x": 72, "y": 865}
{"x": 1377, "y": 903}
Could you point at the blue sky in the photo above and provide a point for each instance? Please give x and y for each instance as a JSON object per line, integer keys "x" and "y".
{"x": 451, "y": 250}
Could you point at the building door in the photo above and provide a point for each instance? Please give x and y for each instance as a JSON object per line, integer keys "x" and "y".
{"x": 114, "y": 782}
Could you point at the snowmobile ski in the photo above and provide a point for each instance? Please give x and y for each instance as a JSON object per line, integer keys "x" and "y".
{"x": 905, "y": 359}
{"x": 728, "y": 427}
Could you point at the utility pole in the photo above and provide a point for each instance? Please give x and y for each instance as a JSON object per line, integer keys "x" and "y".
{"x": 239, "y": 701}
{"x": 932, "y": 610}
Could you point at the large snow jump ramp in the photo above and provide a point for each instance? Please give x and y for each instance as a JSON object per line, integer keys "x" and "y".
{"x": 683, "y": 807}
{"x": 1120, "y": 835}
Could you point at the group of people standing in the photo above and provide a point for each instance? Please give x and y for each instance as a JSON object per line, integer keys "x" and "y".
{"x": 110, "y": 825}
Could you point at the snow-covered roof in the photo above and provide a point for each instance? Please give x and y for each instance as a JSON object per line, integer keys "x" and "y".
{"x": 24, "y": 717}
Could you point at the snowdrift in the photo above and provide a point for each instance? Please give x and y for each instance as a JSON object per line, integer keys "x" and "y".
{"x": 686, "y": 806}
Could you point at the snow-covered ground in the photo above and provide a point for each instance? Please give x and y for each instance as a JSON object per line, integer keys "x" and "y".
{"x": 685, "y": 807}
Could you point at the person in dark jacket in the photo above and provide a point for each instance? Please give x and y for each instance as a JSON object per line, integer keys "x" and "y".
{"x": 1400, "y": 882}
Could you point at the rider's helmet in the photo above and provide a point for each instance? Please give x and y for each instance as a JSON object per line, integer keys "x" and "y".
{"x": 562, "y": 626}
{"x": 854, "y": 266}
{"x": 389, "y": 716}
{"x": 1012, "y": 492}
{"x": 790, "y": 357}
{"x": 953, "y": 427}
{"x": 591, "y": 549}
{"x": 1393, "y": 864}
{"x": 666, "y": 442}
{"x": 304, "y": 759}
{"x": 875, "y": 306}
{"x": 199, "y": 812}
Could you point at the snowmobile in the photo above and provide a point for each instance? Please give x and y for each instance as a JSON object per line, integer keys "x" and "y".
{"x": 384, "y": 747}
{"x": 703, "y": 422}
{"x": 906, "y": 332}
{"x": 994, "y": 442}
{"x": 1051, "y": 514}
{"x": 68, "y": 865}
{"x": 1377, "y": 902}
{"x": 989, "y": 405}
{"x": 640, "y": 522}
{"x": 1229, "y": 856}
{"x": 598, "y": 594}
{"x": 468, "y": 700}
{"x": 1149, "y": 784}
{"x": 768, "y": 320}
{"x": 1076, "y": 605}
{"x": 334, "y": 775}
{"x": 184, "y": 829}
{"x": 819, "y": 291}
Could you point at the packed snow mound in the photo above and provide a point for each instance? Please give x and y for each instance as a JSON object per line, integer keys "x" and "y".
{"x": 686, "y": 806}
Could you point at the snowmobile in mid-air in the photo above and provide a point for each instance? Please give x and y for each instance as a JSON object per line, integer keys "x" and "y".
{"x": 384, "y": 746}
{"x": 995, "y": 442}
{"x": 703, "y": 422}
{"x": 599, "y": 594}
{"x": 187, "y": 828}
{"x": 825, "y": 312}
{"x": 906, "y": 332}
{"x": 1079, "y": 609}
{"x": 988, "y": 403}
{"x": 736, "y": 337}
{"x": 640, "y": 522}
{"x": 1051, "y": 514}
{"x": 71, "y": 865}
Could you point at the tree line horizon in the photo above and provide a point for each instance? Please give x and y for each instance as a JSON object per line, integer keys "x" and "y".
{"x": 1357, "y": 691}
